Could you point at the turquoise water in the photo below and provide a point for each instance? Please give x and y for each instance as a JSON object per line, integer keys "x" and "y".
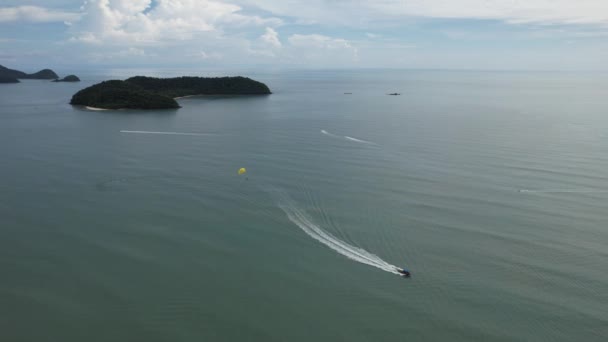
{"x": 491, "y": 187}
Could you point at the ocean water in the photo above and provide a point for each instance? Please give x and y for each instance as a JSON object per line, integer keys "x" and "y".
{"x": 491, "y": 187}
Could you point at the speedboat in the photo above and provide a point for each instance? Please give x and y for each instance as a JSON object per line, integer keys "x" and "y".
{"x": 404, "y": 272}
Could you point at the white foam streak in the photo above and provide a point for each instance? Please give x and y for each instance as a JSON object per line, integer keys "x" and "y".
{"x": 358, "y": 140}
{"x": 167, "y": 133}
{"x": 347, "y": 138}
{"x": 329, "y": 134}
{"x": 556, "y": 191}
{"x": 302, "y": 220}
{"x": 94, "y": 108}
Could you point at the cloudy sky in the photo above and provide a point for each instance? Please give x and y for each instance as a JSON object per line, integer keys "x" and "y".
{"x": 446, "y": 34}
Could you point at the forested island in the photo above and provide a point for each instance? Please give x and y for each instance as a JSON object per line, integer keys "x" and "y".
{"x": 44, "y": 74}
{"x": 69, "y": 78}
{"x": 142, "y": 92}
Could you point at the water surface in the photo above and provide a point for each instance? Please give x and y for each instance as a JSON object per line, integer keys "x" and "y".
{"x": 491, "y": 187}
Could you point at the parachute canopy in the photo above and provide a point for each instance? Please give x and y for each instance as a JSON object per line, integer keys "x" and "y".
{"x": 242, "y": 171}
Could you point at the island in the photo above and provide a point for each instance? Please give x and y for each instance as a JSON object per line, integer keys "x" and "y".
{"x": 44, "y": 74}
{"x": 141, "y": 92}
{"x": 5, "y": 79}
{"x": 69, "y": 78}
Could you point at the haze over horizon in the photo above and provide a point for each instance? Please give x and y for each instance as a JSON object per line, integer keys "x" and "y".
{"x": 466, "y": 34}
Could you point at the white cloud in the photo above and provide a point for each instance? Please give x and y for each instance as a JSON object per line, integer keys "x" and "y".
{"x": 131, "y": 52}
{"x": 271, "y": 38}
{"x": 35, "y": 14}
{"x": 356, "y": 12}
{"x": 379, "y": 32}
{"x": 514, "y": 11}
{"x": 145, "y": 21}
{"x": 206, "y": 55}
{"x": 317, "y": 49}
{"x": 318, "y": 41}
{"x": 86, "y": 37}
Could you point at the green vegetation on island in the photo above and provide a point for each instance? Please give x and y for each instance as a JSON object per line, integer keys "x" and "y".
{"x": 120, "y": 94}
{"x": 69, "y": 78}
{"x": 44, "y": 74}
{"x": 5, "y": 79}
{"x": 142, "y": 92}
{"x": 186, "y": 86}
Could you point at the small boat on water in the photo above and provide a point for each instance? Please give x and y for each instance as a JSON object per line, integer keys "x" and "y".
{"x": 404, "y": 272}
{"x": 394, "y": 94}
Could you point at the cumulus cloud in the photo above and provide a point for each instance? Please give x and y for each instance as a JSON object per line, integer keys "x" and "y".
{"x": 147, "y": 21}
{"x": 271, "y": 38}
{"x": 35, "y": 14}
{"x": 161, "y": 32}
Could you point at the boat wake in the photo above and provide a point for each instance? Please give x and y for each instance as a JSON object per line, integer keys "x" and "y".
{"x": 94, "y": 108}
{"x": 361, "y": 141}
{"x": 165, "y": 133}
{"x": 305, "y": 222}
{"x": 329, "y": 134}
{"x": 565, "y": 191}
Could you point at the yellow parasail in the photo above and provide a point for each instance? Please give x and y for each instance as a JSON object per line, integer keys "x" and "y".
{"x": 242, "y": 171}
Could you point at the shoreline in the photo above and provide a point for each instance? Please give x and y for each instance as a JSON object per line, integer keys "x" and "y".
{"x": 94, "y": 108}
{"x": 183, "y": 97}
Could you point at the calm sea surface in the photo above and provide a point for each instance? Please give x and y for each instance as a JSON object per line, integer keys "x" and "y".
{"x": 491, "y": 187}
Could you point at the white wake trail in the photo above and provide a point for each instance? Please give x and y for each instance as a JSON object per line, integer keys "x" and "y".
{"x": 359, "y": 140}
{"x": 167, "y": 133}
{"x": 347, "y": 138}
{"x": 566, "y": 191}
{"x": 329, "y": 134}
{"x": 302, "y": 220}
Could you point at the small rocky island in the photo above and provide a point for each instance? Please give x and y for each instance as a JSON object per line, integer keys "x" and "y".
{"x": 69, "y": 78}
{"x": 142, "y": 92}
{"x": 44, "y": 74}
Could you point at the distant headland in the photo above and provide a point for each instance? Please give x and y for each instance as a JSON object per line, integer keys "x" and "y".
{"x": 13, "y": 76}
{"x": 44, "y": 74}
{"x": 69, "y": 78}
{"x": 142, "y": 92}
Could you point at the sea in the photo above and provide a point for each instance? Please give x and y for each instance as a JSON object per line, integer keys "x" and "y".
{"x": 490, "y": 187}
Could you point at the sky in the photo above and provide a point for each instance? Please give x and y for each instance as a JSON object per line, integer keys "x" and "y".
{"x": 409, "y": 34}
